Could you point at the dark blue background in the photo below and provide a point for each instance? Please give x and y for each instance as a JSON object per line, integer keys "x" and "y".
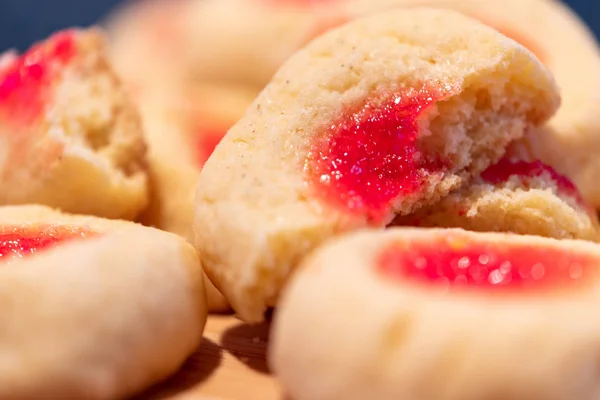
{"x": 25, "y": 21}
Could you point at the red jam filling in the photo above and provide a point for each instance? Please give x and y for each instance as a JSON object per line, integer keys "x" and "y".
{"x": 207, "y": 140}
{"x": 26, "y": 80}
{"x": 20, "y": 241}
{"x": 369, "y": 157}
{"x": 505, "y": 169}
{"x": 477, "y": 265}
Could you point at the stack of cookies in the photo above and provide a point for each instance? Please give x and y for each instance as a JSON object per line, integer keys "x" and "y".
{"x": 409, "y": 183}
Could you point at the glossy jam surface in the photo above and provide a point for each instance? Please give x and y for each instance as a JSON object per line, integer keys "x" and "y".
{"x": 25, "y": 81}
{"x": 368, "y": 158}
{"x": 505, "y": 169}
{"x": 457, "y": 262}
{"x": 22, "y": 240}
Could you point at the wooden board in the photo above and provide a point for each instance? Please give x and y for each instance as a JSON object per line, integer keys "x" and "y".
{"x": 229, "y": 365}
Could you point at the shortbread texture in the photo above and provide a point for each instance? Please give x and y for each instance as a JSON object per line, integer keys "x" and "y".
{"x": 539, "y": 202}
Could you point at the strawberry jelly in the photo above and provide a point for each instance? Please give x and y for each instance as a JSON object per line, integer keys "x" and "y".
{"x": 478, "y": 264}
{"x": 207, "y": 141}
{"x": 505, "y": 169}
{"x": 368, "y": 158}
{"x": 25, "y": 82}
{"x": 19, "y": 241}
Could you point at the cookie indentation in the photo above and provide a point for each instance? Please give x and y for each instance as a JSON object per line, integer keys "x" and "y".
{"x": 22, "y": 240}
{"x": 461, "y": 263}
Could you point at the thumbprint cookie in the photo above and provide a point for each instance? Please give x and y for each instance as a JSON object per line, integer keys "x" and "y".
{"x": 69, "y": 136}
{"x": 147, "y": 42}
{"x": 182, "y": 129}
{"x": 374, "y": 119}
{"x": 246, "y": 41}
{"x": 93, "y": 308}
{"x": 441, "y": 314}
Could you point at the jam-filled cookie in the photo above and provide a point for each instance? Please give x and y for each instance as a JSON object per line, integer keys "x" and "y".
{"x": 514, "y": 196}
{"x": 246, "y": 41}
{"x": 93, "y": 308}
{"x": 69, "y": 135}
{"x": 262, "y": 37}
{"x": 374, "y": 119}
{"x": 572, "y": 142}
{"x": 182, "y": 129}
{"x": 147, "y": 42}
{"x": 441, "y": 314}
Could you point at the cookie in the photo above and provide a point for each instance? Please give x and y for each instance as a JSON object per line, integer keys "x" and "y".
{"x": 93, "y": 308}
{"x": 214, "y": 109}
{"x": 262, "y": 37}
{"x": 514, "y": 196}
{"x": 182, "y": 129}
{"x": 182, "y": 125}
{"x": 440, "y": 314}
{"x": 147, "y": 42}
{"x": 246, "y": 41}
{"x": 374, "y": 119}
{"x": 574, "y": 60}
{"x": 69, "y": 136}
